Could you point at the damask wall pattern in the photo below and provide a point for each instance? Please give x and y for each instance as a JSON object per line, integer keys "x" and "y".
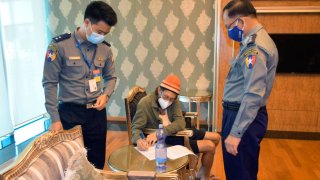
{"x": 152, "y": 39}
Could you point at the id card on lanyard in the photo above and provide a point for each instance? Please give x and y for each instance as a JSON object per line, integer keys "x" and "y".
{"x": 94, "y": 76}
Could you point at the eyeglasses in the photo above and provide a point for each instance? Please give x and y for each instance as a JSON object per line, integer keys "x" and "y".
{"x": 229, "y": 26}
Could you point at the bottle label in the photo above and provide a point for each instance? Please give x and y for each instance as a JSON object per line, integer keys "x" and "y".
{"x": 161, "y": 160}
{"x": 161, "y": 155}
{"x": 161, "y": 151}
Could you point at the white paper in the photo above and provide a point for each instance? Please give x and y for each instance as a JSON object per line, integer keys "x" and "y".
{"x": 173, "y": 152}
{"x": 150, "y": 153}
{"x": 178, "y": 151}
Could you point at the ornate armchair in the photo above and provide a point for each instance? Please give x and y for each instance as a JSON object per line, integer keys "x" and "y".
{"x": 46, "y": 157}
{"x": 131, "y": 101}
{"x": 61, "y": 155}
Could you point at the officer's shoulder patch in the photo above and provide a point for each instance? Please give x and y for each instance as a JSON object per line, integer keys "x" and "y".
{"x": 106, "y": 43}
{"x": 53, "y": 47}
{"x": 51, "y": 55}
{"x": 62, "y": 37}
{"x": 52, "y": 51}
{"x": 252, "y": 50}
{"x": 250, "y": 61}
{"x": 250, "y": 55}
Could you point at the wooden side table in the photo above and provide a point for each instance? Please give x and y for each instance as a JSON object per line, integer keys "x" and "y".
{"x": 198, "y": 96}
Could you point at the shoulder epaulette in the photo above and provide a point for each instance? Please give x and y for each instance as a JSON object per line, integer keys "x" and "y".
{"x": 106, "y": 43}
{"x": 252, "y": 40}
{"x": 62, "y": 37}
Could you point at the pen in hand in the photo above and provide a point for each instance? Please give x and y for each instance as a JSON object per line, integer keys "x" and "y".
{"x": 143, "y": 144}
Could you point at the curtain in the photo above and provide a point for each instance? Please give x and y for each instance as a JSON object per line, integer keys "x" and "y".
{"x": 5, "y": 119}
{"x": 23, "y": 41}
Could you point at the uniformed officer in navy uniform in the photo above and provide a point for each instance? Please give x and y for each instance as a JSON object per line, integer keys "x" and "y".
{"x": 246, "y": 91}
{"x": 79, "y": 78}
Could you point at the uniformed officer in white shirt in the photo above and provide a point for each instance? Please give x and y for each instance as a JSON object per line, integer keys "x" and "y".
{"x": 79, "y": 78}
{"x": 246, "y": 90}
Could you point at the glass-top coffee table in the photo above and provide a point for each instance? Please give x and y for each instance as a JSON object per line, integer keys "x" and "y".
{"x": 128, "y": 159}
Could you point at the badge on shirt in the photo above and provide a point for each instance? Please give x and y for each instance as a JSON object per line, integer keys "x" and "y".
{"x": 74, "y": 57}
{"x": 50, "y": 56}
{"x": 250, "y": 60}
{"x": 96, "y": 75}
{"x": 250, "y": 51}
{"x": 51, "y": 53}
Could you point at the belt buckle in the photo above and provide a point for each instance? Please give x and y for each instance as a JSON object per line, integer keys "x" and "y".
{"x": 89, "y": 105}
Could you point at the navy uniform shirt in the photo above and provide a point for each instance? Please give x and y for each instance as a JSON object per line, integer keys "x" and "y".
{"x": 65, "y": 65}
{"x": 251, "y": 77}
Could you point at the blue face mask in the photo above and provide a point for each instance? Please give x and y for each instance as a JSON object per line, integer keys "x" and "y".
{"x": 94, "y": 37}
{"x": 235, "y": 33}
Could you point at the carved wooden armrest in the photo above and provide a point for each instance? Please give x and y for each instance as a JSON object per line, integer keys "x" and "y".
{"x": 113, "y": 175}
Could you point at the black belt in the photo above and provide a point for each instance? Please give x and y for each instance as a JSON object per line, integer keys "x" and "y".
{"x": 235, "y": 106}
{"x": 71, "y": 104}
{"x": 231, "y": 106}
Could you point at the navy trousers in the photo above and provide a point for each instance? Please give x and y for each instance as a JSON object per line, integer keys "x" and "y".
{"x": 244, "y": 166}
{"x": 94, "y": 129}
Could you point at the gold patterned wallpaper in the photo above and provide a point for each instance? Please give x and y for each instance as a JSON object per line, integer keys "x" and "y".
{"x": 152, "y": 39}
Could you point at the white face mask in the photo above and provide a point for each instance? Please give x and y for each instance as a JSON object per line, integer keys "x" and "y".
{"x": 94, "y": 37}
{"x": 163, "y": 103}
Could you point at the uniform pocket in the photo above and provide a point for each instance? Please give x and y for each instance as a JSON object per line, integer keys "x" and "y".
{"x": 99, "y": 63}
{"x": 74, "y": 62}
{"x": 74, "y": 68}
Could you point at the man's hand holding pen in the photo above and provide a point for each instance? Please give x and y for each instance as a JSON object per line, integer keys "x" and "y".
{"x": 151, "y": 139}
{"x": 144, "y": 143}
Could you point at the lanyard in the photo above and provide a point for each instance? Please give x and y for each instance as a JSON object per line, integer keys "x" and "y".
{"x": 83, "y": 55}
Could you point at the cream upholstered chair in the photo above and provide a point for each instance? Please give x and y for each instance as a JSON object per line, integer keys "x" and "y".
{"x": 46, "y": 157}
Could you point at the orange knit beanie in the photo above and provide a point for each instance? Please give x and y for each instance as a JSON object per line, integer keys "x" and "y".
{"x": 172, "y": 83}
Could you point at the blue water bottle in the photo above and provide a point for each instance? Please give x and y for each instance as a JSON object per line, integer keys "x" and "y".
{"x": 161, "y": 150}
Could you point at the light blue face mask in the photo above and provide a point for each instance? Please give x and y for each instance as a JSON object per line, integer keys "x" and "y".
{"x": 235, "y": 33}
{"x": 94, "y": 37}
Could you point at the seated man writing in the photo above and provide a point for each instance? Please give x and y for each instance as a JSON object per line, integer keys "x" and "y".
{"x": 163, "y": 107}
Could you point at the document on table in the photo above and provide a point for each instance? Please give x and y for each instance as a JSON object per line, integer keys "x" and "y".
{"x": 178, "y": 151}
{"x": 150, "y": 153}
{"x": 173, "y": 152}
